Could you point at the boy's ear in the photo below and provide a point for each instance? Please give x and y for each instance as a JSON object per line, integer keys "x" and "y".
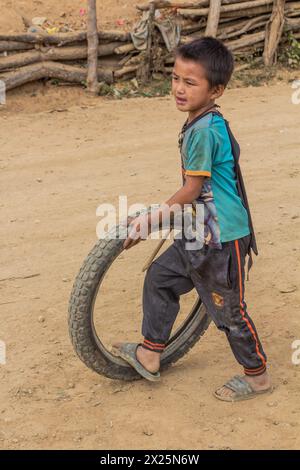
{"x": 217, "y": 91}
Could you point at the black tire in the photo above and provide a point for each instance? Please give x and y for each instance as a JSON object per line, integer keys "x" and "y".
{"x": 82, "y": 331}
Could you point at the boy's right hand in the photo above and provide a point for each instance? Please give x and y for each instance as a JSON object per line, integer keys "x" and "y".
{"x": 138, "y": 230}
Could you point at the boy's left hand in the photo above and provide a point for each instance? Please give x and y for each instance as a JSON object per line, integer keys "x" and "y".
{"x": 139, "y": 230}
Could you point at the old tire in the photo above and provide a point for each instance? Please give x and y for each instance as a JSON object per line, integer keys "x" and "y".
{"x": 82, "y": 331}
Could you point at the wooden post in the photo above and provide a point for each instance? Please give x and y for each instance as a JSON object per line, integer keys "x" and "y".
{"x": 274, "y": 30}
{"x": 146, "y": 70}
{"x": 213, "y": 18}
{"x": 92, "y": 38}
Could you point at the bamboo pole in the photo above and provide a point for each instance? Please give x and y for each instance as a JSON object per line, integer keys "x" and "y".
{"x": 92, "y": 39}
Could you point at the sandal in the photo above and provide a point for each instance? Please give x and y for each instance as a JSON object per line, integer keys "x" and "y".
{"x": 242, "y": 389}
{"x": 127, "y": 351}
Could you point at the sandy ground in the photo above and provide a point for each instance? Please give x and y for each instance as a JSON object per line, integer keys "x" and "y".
{"x": 68, "y": 13}
{"x": 57, "y": 166}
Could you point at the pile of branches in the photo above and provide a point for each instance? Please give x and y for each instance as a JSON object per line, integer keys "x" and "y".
{"x": 246, "y": 27}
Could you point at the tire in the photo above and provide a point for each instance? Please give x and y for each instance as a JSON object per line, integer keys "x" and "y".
{"x": 84, "y": 338}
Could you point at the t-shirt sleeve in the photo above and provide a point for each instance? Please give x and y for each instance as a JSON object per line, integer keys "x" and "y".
{"x": 200, "y": 151}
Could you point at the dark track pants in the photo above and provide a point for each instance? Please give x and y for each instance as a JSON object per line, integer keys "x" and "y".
{"x": 218, "y": 276}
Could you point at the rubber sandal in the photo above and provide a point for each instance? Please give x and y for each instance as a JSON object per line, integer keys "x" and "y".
{"x": 128, "y": 352}
{"x": 242, "y": 390}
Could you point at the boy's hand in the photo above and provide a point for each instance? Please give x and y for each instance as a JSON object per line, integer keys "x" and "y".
{"x": 139, "y": 229}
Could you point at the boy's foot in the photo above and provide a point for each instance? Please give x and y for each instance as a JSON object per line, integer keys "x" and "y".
{"x": 145, "y": 362}
{"x": 244, "y": 387}
{"x": 150, "y": 360}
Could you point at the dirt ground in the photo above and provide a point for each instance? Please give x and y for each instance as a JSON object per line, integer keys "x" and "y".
{"x": 68, "y": 13}
{"x": 58, "y": 163}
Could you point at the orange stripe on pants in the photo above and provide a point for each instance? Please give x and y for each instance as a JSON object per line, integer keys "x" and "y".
{"x": 237, "y": 248}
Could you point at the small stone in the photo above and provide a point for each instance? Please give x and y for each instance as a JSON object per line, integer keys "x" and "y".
{"x": 39, "y": 180}
{"x": 287, "y": 289}
{"x": 15, "y": 441}
{"x": 71, "y": 385}
{"x": 38, "y": 20}
{"x": 134, "y": 82}
{"x": 37, "y": 221}
{"x": 41, "y": 319}
{"x": 147, "y": 432}
{"x": 271, "y": 243}
{"x": 66, "y": 279}
{"x": 241, "y": 420}
{"x": 272, "y": 404}
{"x": 275, "y": 423}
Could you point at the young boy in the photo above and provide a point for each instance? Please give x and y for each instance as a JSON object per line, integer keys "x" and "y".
{"x": 201, "y": 73}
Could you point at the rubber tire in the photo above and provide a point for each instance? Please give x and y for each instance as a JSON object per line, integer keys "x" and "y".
{"x": 85, "y": 340}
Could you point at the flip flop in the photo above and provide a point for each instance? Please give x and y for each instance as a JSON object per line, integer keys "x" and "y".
{"x": 128, "y": 352}
{"x": 242, "y": 389}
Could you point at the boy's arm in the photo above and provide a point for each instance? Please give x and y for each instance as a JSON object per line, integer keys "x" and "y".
{"x": 186, "y": 195}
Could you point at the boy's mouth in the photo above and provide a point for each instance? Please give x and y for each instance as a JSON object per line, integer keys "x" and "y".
{"x": 180, "y": 101}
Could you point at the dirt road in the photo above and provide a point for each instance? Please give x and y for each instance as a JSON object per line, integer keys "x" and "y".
{"x": 57, "y": 166}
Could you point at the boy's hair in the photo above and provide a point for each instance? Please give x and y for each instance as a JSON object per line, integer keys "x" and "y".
{"x": 213, "y": 55}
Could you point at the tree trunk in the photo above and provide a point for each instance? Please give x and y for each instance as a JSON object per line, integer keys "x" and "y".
{"x": 213, "y": 18}
{"x": 274, "y": 32}
{"x": 92, "y": 38}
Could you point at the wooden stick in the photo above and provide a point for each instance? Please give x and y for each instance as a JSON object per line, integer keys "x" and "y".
{"x": 242, "y": 27}
{"x": 247, "y": 40}
{"x": 146, "y": 71}
{"x": 155, "y": 251}
{"x": 213, "y": 18}
{"x": 166, "y": 4}
{"x": 92, "y": 39}
{"x": 50, "y": 69}
{"x": 64, "y": 38}
{"x": 14, "y": 46}
{"x": 274, "y": 32}
{"x": 57, "y": 53}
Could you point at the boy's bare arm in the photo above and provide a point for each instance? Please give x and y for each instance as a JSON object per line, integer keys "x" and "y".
{"x": 186, "y": 195}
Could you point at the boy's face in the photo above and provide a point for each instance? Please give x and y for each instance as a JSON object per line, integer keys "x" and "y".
{"x": 191, "y": 88}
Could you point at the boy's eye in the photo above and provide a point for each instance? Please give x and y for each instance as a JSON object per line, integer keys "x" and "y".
{"x": 175, "y": 78}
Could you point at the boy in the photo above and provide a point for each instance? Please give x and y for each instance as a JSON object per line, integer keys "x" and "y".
{"x": 201, "y": 73}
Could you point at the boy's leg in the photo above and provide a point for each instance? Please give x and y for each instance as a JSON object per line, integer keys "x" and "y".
{"x": 166, "y": 280}
{"x": 219, "y": 280}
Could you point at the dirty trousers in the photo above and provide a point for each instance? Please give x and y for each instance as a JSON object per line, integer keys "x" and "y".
{"x": 218, "y": 276}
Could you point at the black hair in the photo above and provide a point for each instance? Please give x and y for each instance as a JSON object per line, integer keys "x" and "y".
{"x": 213, "y": 55}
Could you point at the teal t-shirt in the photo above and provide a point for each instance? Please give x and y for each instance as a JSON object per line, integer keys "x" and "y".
{"x": 206, "y": 151}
